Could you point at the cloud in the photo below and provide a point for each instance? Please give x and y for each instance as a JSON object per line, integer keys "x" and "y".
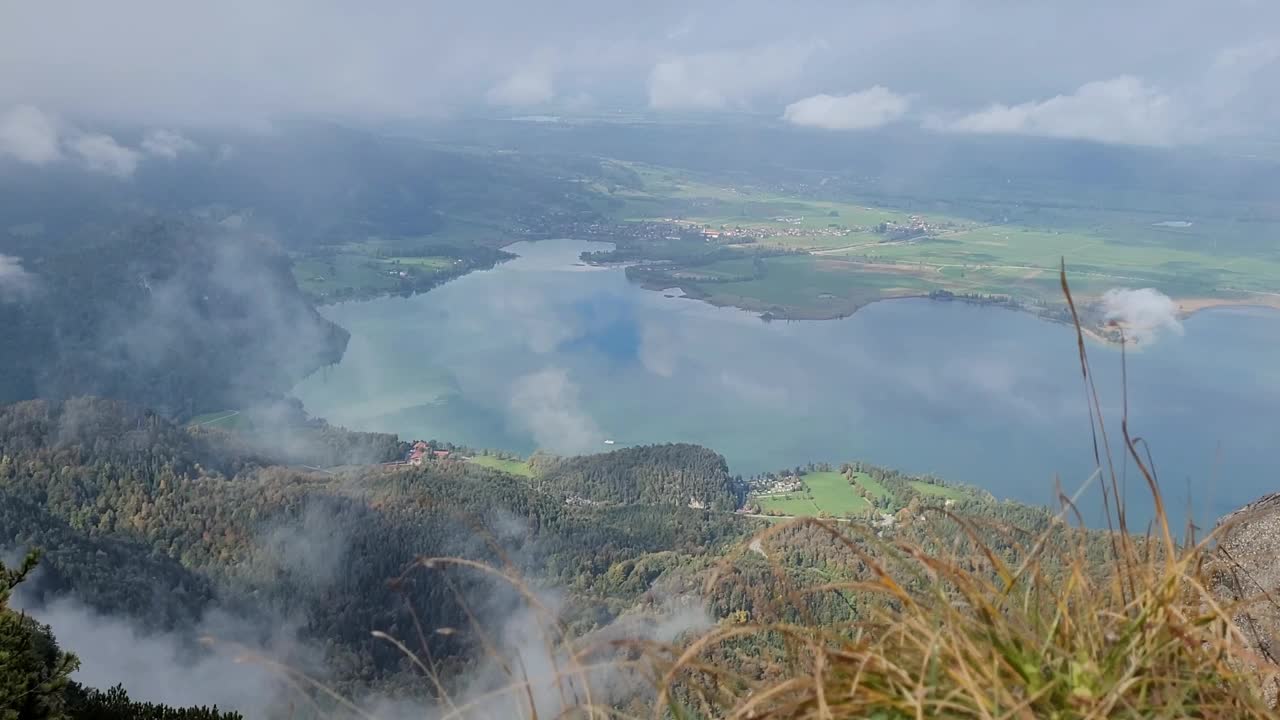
{"x": 546, "y": 404}
{"x": 29, "y": 135}
{"x": 133, "y": 61}
{"x": 228, "y": 295}
{"x": 1144, "y": 313}
{"x": 869, "y": 108}
{"x": 557, "y": 672}
{"x": 529, "y": 86}
{"x": 312, "y": 550}
{"x": 726, "y": 79}
{"x": 101, "y": 153}
{"x": 171, "y": 668}
{"x": 660, "y": 349}
{"x": 543, "y": 326}
{"x": 1122, "y": 110}
{"x": 167, "y": 144}
{"x": 15, "y": 282}
{"x": 752, "y": 390}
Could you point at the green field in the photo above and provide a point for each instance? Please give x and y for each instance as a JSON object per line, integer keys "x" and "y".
{"x": 938, "y": 491}
{"x": 873, "y": 487}
{"x": 984, "y": 246}
{"x": 342, "y": 272}
{"x": 831, "y": 493}
{"x": 807, "y": 287}
{"x": 372, "y": 267}
{"x": 511, "y": 467}
{"x": 429, "y": 262}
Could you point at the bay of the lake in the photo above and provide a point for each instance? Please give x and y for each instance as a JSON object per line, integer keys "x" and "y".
{"x": 544, "y": 352}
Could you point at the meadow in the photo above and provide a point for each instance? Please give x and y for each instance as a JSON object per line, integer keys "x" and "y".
{"x": 978, "y": 247}
{"x": 511, "y": 467}
{"x": 939, "y": 491}
{"x": 828, "y": 492}
{"x": 377, "y": 266}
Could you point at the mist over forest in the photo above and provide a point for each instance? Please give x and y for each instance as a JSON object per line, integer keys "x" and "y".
{"x": 587, "y": 360}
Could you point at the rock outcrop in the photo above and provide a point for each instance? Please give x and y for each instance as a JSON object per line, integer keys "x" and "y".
{"x": 1245, "y": 568}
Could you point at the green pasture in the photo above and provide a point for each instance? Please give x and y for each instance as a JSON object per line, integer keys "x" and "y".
{"x": 511, "y": 467}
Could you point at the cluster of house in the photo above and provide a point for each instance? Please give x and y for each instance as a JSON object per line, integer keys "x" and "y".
{"x": 776, "y": 485}
{"x": 759, "y": 232}
{"x": 915, "y": 227}
{"x": 419, "y": 452}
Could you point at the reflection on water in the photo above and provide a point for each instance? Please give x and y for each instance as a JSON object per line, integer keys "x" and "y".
{"x": 544, "y": 352}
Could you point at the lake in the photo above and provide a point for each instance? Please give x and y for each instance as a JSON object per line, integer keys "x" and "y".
{"x": 543, "y": 352}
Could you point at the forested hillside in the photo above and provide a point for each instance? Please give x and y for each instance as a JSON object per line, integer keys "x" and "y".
{"x": 180, "y": 316}
{"x": 673, "y": 474}
{"x": 121, "y": 499}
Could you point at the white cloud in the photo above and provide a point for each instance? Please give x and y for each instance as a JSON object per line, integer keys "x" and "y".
{"x": 722, "y": 79}
{"x": 1144, "y": 313}
{"x": 542, "y": 327}
{"x": 101, "y": 153}
{"x": 29, "y": 135}
{"x": 133, "y": 61}
{"x": 660, "y": 349}
{"x": 167, "y": 144}
{"x": 545, "y": 403}
{"x": 15, "y": 282}
{"x": 1122, "y": 110}
{"x": 862, "y": 110}
{"x": 166, "y": 667}
{"x": 529, "y": 86}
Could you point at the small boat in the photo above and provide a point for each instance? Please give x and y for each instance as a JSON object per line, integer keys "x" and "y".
{"x": 608, "y": 442}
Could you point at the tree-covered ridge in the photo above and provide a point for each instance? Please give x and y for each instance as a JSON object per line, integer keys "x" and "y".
{"x": 123, "y": 499}
{"x": 671, "y": 474}
{"x": 174, "y": 315}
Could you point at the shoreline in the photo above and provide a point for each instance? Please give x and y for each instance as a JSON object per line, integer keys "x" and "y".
{"x": 1187, "y": 307}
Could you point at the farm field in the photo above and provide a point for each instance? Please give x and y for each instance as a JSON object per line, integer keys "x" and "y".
{"x": 511, "y": 467}
{"x": 831, "y": 493}
{"x": 333, "y": 273}
{"x": 938, "y": 491}
{"x": 372, "y": 267}
{"x": 808, "y": 287}
{"x": 846, "y": 264}
{"x": 429, "y": 262}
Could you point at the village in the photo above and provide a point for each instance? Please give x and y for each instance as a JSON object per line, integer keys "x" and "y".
{"x": 915, "y": 228}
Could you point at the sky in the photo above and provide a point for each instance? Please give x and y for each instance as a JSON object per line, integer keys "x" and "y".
{"x": 1001, "y": 62}
{"x": 1144, "y": 72}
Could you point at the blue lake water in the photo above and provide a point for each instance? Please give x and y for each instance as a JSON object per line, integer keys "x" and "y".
{"x": 543, "y": 352}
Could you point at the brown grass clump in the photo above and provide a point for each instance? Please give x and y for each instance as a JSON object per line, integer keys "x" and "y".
{"x": 1144, "y": 637}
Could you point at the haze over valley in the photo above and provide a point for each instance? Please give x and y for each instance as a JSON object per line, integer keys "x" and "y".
{"x": 584, "y": 360}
